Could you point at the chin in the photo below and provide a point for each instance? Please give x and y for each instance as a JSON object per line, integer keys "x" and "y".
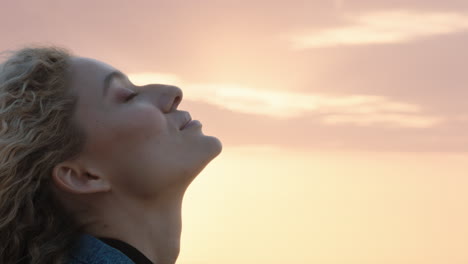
{"x": 215, "y": 146}
{"x": 210, "y": 149}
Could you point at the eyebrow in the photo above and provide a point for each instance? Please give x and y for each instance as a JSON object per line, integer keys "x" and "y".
{"x": 108, "y": 79}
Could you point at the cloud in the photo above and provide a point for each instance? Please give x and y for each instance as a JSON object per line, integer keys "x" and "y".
{"x": 383, "y": 27}
{"x": 143, "y": 78}
{"x": 360, "y": 110}
{"x": 402, "y": 120}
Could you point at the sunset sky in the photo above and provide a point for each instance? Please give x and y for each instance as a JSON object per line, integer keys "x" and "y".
{"x": 344, "y": 123}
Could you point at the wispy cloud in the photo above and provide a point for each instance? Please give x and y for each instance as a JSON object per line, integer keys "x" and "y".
{"x": 383, "y": 27}
{"x": 360, "y": 110}
{"x": 142, "y": 78}
{"x": 401, "y": 120}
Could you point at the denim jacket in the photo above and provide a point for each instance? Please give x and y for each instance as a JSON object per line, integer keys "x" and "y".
{"x": 91, "y": 250}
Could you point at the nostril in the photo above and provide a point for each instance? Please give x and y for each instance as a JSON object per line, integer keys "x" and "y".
{"x": 176, "y": 102}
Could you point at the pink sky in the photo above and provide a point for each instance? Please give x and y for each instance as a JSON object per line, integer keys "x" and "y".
{"x": 251, "y": 45}
{"x": 344, "y": 123}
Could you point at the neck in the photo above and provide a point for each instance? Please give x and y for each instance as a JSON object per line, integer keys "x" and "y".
{"x": 154, "y": 227}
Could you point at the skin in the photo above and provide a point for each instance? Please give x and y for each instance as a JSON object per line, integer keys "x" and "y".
{"x": 129, "y": 181}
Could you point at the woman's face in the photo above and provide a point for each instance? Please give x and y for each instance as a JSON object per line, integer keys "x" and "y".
{"x": 134, "y": 137}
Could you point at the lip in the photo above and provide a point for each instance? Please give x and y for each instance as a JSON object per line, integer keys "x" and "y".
{"x": 188, "y": 118}
{"x": 191, "y": 123}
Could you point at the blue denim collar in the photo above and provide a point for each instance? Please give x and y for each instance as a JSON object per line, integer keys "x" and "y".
{"x": 90, "y": 250}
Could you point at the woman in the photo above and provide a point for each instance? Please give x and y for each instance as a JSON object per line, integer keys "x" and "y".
{"x": 93, "y": 168}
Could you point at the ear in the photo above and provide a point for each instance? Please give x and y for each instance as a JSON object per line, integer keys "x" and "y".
{"x": 72, "y": 178}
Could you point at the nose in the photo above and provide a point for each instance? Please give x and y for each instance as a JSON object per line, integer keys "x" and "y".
{"x": 170, "y": 97}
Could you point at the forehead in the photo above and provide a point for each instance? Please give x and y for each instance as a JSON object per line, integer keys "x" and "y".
{"x": 88, "y": 70}
{"x": 86, "y": 76}
{"x": 86, "y": 79}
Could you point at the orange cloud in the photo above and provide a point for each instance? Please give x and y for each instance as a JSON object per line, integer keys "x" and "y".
{"x": 401, "y": 120}
{"x": 383, "y": 27}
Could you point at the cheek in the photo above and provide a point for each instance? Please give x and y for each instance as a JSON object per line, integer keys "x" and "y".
{"x": 131, "y": 128}
{"x": 143, "y": 122}
{"x": 124, "y": 133}
{"x": 133, "y": 147}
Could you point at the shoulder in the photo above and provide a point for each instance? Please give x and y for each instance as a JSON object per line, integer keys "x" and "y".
{"x": 90, "y": 250}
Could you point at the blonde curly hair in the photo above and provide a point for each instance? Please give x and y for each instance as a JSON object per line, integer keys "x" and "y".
{"x": 37, "y": 131}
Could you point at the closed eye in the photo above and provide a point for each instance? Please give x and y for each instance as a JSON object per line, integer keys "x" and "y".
{"x": 131, "y": 97}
